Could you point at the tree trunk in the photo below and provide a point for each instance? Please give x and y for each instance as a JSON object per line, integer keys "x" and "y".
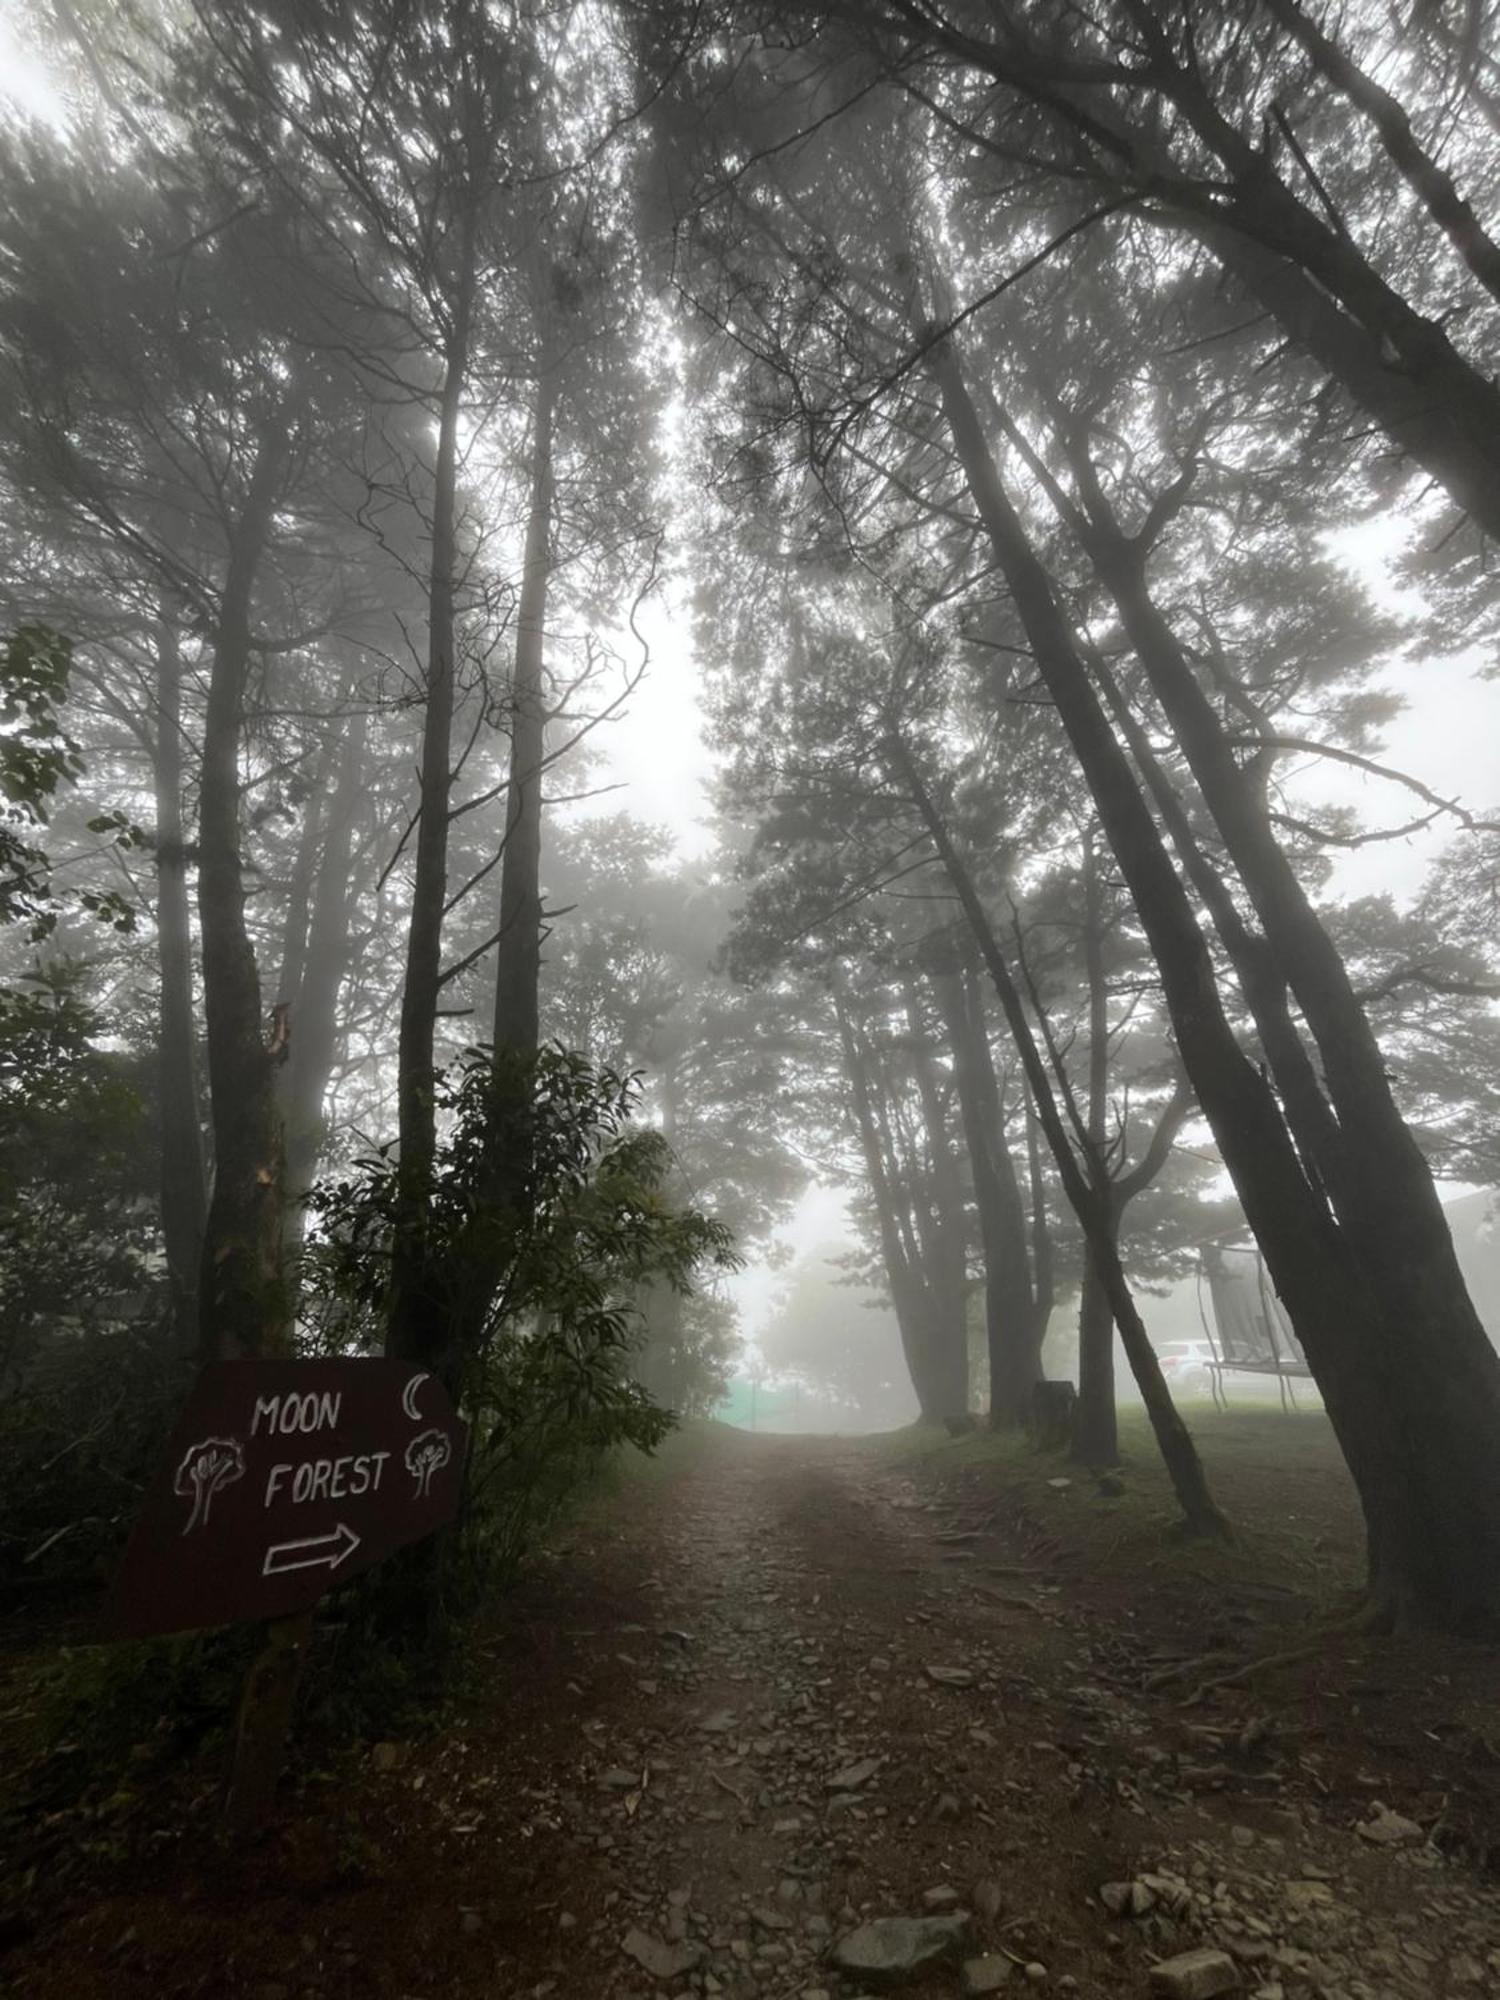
{"x": 242, "y": 1309}
{"x": 184, "y": 1185}
{"x": 418, "y": 1326}
{"x": 945, "y": 1249}
{"x": 1424, "y": 1343}
{"x": 1432, "y": 1503}
{"x": 1179, "y": 1454}
{"x": 905, "y": 1290}
{"x": 1014, "y": 1351}
{"x": 1095, "y": 1433}
{"x": 1397, "y": 364}
{"x": 1096, "y": 1440}
{"x": 314, "y": 999}
{"x": 518, "y": 971}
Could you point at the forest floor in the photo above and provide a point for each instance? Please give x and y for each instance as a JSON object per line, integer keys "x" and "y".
{"x": 767, "y": 1690}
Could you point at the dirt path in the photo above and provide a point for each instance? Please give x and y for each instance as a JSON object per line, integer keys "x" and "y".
{"x": 782, "y": 1690}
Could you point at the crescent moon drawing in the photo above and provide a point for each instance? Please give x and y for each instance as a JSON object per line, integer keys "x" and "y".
{"x": 409, "y": 1397}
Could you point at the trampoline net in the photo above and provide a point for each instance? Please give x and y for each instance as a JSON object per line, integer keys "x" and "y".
{"x": 1251, "y": 1329}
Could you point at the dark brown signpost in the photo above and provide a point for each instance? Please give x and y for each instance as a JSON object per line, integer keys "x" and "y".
{"x": 283, "y": 1478}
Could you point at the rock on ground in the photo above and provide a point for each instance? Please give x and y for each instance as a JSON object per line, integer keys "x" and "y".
{"x": 889, "y": 1951}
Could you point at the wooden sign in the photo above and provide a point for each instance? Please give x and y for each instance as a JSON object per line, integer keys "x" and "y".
{"x": 282, "y": 1479}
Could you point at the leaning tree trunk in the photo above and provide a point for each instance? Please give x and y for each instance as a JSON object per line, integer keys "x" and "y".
{"x": 1179, "y": 1454}
{"x": 1431, "y": 1501}
{"x": 242, "y": 1308}
{"x": 1425, "y": 1344}
{"x": 418, "y": 1322}
{"x": 1397, "y": 364}
{"x": 184, "y": 1184}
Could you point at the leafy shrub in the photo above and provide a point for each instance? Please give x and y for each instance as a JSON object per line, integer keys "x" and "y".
{"x": 538, "y": 1270}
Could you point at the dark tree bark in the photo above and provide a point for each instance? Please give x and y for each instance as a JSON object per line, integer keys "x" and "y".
{"x": 1428, "y": 181}
{"x": 1431, "y": 1355}
{"x": 1013, "y": 1339}
{"x": 418, "y": 1325}
{"x": 313, "y": 1000}
{"x": 1179, "y": 1454}
{"x": 942, "y": 1226}
{"x": 1432, "y": 1504}
{"x": 518, "y": 971}
{"x": 1095, "y": 1432}
{"x": 184, "y": 1184}
{"x": 1396, "y": 363}
{"x": 242, "y": 1308}
{"x": 901, "y": 1276}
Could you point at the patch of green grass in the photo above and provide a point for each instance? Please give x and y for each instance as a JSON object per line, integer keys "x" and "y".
{"x": 1276, "y": 1474}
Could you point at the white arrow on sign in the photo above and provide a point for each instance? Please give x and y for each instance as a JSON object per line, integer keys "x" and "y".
{"x": 310, "y": 1552}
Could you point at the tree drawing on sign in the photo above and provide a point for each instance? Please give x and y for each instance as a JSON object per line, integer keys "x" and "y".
{"x": 206, "y": 1468}
{"x": 428, "y": 1453}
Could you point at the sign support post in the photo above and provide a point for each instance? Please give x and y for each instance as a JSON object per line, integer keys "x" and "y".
{"x": 262, "y": 1723}
{"x": 281, "y": 1479}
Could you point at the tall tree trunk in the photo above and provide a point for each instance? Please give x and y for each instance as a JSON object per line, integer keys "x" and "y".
{"x": 418, "y": 1326}
{"x": 1425, "y": 1344}
{"x": 1397, "y": 364}
{"x": 314, "y": 1001}
{"x": 242, "y": 1309}
{"x": 1096, "y": 1438}
{"x": 905, "y": 1289}
{"x": 1434, "y": 1526}
{"x": 184, "y": 1184}
{"x": 518, "y": 971}
{"x": 946, "y": 1248}
{"x": 1012, "y": 1345}
{"x": 1095, "y": 1432}
{"x": 1179, "y": 1454}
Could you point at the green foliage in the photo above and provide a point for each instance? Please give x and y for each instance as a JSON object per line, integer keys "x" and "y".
{"x": 542, "y": 1268}
{"x": 37, "y": 758}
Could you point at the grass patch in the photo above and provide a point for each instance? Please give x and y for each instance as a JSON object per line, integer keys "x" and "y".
{"x": 1277, "y": 1474}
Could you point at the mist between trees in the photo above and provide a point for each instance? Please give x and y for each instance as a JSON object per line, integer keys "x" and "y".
{"x": 994, "y": 390}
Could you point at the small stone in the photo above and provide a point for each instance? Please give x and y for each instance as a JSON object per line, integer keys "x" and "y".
{"x": 1194, "y": 1975}
{"x": 1302, "y": 1895}
{"x": 985, "y": 1975}
{"x": 950, "y": 1677}
{"x": 852, "y": 1776}
{"x": 664, "y": 1962}
{"x": 1389, "y": 1829}
{"x": 948, "y": 1806}
{"x": 1059, "y": 1485}
{"x": 943, "y": 1897}
{"x": 987, "y": 1900}
{"x": 566, "y": 1921}
{"x": 471, "y": 1923}
{"x": 772, "y": 1920}
{"x": 618, "y": 1780}
{"x": 891, "y": 1951}
{"x": 1242, "y": 1836}
{"x": 1036, "y": 1972}
{"x": 721, "y": 1723}
{"x": 386, "y": 1756}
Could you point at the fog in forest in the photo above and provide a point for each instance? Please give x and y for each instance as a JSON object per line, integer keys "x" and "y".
{"x": 773, "y": 719}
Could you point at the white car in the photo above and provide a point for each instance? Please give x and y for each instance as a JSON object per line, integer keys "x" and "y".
{"x": 1188, "y": 1366}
